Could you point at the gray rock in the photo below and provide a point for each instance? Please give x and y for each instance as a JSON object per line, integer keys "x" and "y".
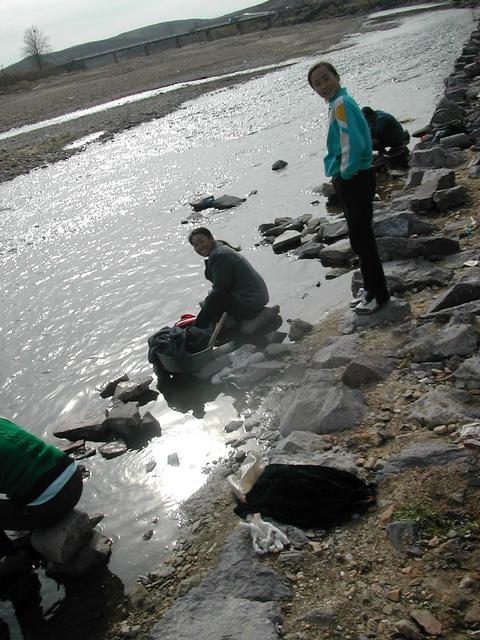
{"x": 334, "y": 231}
{"x": 337, "y": 352}
{"x": 460, "y": 140}
{"x": 61, "y": 542}
{"x": 218, "y": 618}
{"x": 234, "y": 425}
{"x": 322, "y": 408}
{"x": 424, "y": 454}
{"x": 335, "y": 273}
{"x": 299, "y": 328}
{"x": 422, "y": 198}
{"x": 266, "y": 315}
{"x": 279, "y": 164}
{"x": 338, "y": 254}
{"x": 112, "y": 449}
{"x": 402, "y": 224}
{"x": 205, "y": 202}
{"x": 366, "y": 369}
{"x": 403, "y": 275}
{"x": 108, "y": 390}
{"x": 308, "y": 251}
{"x": 429, "y": 343}
{"x": 90, "y": 426}
{"x": 443, "y": 405}
{"x": 88, "y": 559}
{"x": 390, "y": 248}
{"x": 402, "y": 534}
{"x": 466, "y": 290}
{"x": 227, "y": 202}
{"x": 468, "y": 373}
{"x": 149, "y": 424}
{"x": 275, "y": 349}
{"x": 395, "y": 310}
{"x": 173, "y": 459}
{"x": 255, "y": 373}
{"x": 123, "y": 419}
{"x": 464, "y": 313}
{"x": 300, "y": 441}
{"x": 336, "y": 460}
{"x": 214, "y": 366}
{"x": 132, "y": 390}
{"x": 450, "y": 198}
{"x": 287, "y": 240}
{"x": 437, "y": 158}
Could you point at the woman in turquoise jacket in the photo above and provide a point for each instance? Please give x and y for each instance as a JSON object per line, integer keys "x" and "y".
{"x": 348, "y": 162}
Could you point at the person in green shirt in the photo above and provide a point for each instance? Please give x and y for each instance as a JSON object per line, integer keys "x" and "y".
{"x": 41, "y": 484}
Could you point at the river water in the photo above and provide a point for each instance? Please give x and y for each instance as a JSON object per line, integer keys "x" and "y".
{"x": 95, "y": 258}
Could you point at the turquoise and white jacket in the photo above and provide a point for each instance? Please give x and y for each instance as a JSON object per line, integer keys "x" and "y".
{"x": 349, "y": 143}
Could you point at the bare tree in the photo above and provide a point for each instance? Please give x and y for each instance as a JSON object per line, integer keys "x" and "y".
{"x": 36, "y": 44}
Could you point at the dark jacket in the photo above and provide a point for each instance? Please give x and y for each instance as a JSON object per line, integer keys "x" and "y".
{"x": 387, "y": 130}
{"x": 231, "y": 273}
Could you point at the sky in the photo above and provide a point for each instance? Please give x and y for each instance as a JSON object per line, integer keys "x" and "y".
{"x": 72, "y": 22}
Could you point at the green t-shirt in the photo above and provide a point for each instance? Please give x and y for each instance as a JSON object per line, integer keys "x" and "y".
{"x": 25, "y": 461}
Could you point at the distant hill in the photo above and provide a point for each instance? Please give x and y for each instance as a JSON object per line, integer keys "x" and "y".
{"x": 289, "y": 12}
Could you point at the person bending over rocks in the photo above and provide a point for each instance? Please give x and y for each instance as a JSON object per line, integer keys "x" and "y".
{"x": 388, "y": 133}
{"x": 41, "y": 483}
{"x": 238, "y": 289}
{"x": 349, "y": 163}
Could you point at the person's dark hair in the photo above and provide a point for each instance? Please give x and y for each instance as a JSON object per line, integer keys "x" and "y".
{"x": 322, "y": 63}
{"x": 369, "y": 113}
{"x": 200, "y": 231}
{"x": 203, "y": 231}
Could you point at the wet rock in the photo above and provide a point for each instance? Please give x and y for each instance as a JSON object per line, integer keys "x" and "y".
{"x": 150, "y": 426}
{"x": 227, "y": 202}
{"x": 423, "y": 454}
{"x": 443, "y": 405}
{"x": 337, "y": 352}
{"x": 390, "y": 248}
{"x": 308, "y": 251}
{"x": 450, "y": 198}
{"x": 402, "y": 275}
{"x": 123, "y": 418}
{"x": 279, "y": 164}
{"x": 150, "y": 466}
{"x": 274, "y": 350}
{"x": 205, "y": 202}
{"x": 395, "y": 310}
{"x": 61, "y": 542}
{"x": 86, "y": 560}
{"x": 113, "y": 449}
{"x": 214, "y": 366}
{"x": 132, "y": 390}
{"x": 255, "y": 373}
{"x": 108, "y": 390}
{"x": 467, "y": 290}
{"x": 322, "y": 407}
{"x": 287, "y": 240}
{"x": 90, "y": 426}
{"x": 338, "y": 254}
{"x": 299, "y": 328}
{"x": 173, "y": 460}
{"x": 428, "y": 343}
{"x": 234, "y": 425}
{"x": 334, "y": 231}
{"x": 437, "y": 158}
{"x": 266, "y": 315}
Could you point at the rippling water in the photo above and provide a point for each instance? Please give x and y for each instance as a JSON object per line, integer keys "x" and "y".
{"x": 94, "y": 256}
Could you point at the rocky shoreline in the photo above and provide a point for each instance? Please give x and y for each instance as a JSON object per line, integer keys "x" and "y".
{"x": 392, "y": 397}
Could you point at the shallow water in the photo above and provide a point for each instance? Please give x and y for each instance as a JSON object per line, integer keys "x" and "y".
{"x": 94, "y": 256}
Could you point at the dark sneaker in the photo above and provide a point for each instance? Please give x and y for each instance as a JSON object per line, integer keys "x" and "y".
{"x": 360, "y": 297}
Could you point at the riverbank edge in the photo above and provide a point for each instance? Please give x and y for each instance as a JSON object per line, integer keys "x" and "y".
{"x": 208, "y": 514}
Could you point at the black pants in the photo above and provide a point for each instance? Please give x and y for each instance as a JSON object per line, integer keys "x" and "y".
{"x": 216, "y": 303}
{"x": 356, "y": 199}
{"x": 15, "y": 517}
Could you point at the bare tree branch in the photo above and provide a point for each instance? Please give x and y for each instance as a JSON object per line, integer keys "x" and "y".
{"x": 35, "y": 44}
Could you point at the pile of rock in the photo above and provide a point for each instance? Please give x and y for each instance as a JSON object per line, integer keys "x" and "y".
{"x": 120, "y": 424}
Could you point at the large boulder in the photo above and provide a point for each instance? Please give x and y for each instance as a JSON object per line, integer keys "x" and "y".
{"x": 402, "y": 275}
{"x": 429, "y": 343}
{"x": 443, "y": 405}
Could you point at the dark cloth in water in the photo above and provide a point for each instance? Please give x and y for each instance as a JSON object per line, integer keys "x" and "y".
{"x": 177, "y": 342}
{"x": 307, "y": 495}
